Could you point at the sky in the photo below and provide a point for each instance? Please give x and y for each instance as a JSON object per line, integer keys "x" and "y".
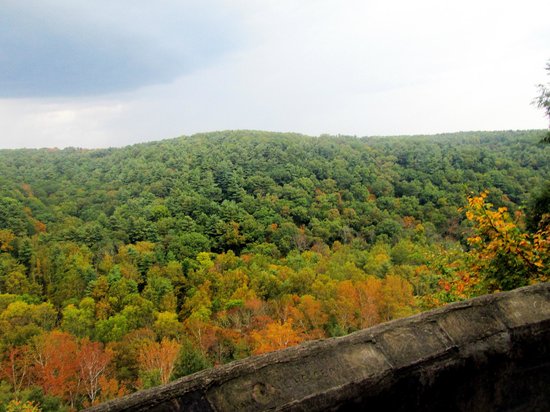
{"x": 110, "y": 73}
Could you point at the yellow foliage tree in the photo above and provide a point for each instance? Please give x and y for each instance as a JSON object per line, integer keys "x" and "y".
{"x": 502, "y": 253}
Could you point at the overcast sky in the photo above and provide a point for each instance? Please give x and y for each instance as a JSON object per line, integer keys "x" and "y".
{"x": 115, "y": 72}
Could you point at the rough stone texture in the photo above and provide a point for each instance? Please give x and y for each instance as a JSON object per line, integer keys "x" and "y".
{"x": 488, "y": 353}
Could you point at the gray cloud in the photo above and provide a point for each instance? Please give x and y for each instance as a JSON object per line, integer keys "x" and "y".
{"x": 76, "y": 47}
{"x": 311, "y": 66}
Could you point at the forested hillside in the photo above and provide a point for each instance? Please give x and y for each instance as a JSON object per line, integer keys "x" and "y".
{"x": 126, "y": 268}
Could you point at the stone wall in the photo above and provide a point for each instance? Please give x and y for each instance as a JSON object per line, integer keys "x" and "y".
{"x": 488, "y": 353}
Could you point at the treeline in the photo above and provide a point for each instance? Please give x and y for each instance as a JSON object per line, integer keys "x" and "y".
{"x": 143, "y": 264}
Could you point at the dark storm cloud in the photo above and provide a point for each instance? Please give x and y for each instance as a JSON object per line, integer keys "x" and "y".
{"x": 75, "y": 48}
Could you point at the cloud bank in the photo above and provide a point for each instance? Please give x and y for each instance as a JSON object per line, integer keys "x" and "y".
{"x": 78, "y": 47}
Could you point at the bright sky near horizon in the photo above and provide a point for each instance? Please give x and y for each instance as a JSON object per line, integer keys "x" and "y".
{"x": 112, "y": 73}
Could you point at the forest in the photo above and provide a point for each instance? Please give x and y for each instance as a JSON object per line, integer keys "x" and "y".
{"x": 126, "y": 268}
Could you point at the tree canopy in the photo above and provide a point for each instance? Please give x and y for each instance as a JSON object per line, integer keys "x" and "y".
{"x": 125, "y": 268}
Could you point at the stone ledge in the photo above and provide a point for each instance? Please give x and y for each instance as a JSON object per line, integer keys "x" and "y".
{"x": 488, "y": 353}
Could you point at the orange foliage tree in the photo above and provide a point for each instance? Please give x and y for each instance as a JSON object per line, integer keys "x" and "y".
{"x": 17, "y": 367}
{"x": 369, "y": 297}
{"x": 110, "y": 388}
{"x": 159, "y": 356}
{"x": 92, "y": 364}
{"x": 345, "y": 308}
{"x": 202, "y": 333}
{"x": 276, "y": 335}
{"x": 310, "y": 317}
{"x": 56, "y": 364}
{"x": 397, "y": 298}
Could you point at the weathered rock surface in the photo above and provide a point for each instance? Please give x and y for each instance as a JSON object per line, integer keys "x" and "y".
{"x": 485, "y": 354}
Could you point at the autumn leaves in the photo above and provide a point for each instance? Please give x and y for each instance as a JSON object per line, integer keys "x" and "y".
{"x": 63, "y": 366}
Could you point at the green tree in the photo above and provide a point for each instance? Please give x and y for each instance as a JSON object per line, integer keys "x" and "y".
{"x": 79, "y": 321}
{"x": 542, "y": 101}
{"x": 538, "y": 208}
{"x": 112, "y": 329}
{"x": 190, "y": 360}
{"x": 12, "y": 216}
